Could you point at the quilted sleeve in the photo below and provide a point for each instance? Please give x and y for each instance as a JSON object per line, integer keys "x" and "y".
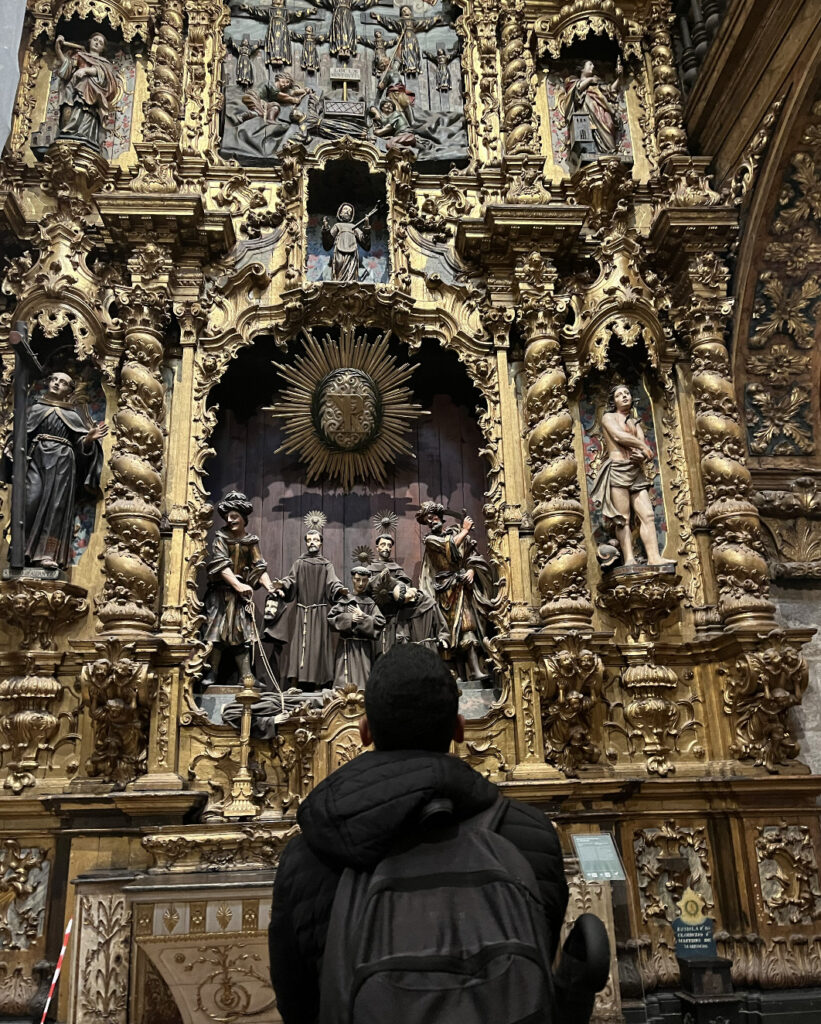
{"x": 536, "y": 839}
{"x": 304, "y": 890}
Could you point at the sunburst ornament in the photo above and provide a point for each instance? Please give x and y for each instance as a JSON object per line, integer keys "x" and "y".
{"x": 347, "y": 409}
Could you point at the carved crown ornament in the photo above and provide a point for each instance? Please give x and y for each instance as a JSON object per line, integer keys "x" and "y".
{"x": 131, "y": 17}
{"x": 582, "y": 18}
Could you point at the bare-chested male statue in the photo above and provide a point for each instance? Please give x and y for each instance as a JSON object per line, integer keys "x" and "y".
{"x": 622, "y": 485}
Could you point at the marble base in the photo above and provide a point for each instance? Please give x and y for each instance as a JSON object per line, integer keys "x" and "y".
{"x": 214, "y": 700}
{"x": 32, "y": 572}
{"x": 476, "y": 702}
{"x": 639, "y": 569}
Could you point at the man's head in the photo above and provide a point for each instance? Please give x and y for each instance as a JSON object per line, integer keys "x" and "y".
{"x": 411, "y": 702}
{"x": 387, "y": 106}
{"x": 60, "y": 385}
{"x": 620, "y": 399}
{"x": 283, "y": 81}
{"x": 235, "y": 508}
{"x": 345, "y": 212}
{"x": 97, "y": 44}
{"x": 588, "y": 68}
{"x": 360, "y": 577}
{"x": 313, "y": 542}
{"x": 384, "y": 545}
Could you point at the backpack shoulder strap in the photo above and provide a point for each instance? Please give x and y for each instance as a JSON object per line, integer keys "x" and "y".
{"x": 490, "y": 818}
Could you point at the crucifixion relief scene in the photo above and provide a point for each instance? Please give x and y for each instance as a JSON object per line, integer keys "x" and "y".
{"x": 338, "y": 336}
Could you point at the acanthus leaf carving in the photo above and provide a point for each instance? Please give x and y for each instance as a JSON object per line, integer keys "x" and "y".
{"x": 117, "y": 690}
{"x": 760, "y": 688}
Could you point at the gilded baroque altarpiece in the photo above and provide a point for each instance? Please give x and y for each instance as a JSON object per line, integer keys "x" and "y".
{"x": 533, "y": 212}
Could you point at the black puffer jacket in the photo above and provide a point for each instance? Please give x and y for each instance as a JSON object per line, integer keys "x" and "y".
{"x": 354, "y": 818}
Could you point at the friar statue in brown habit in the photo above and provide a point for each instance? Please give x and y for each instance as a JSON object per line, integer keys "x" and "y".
{"x": 301, "y": 626}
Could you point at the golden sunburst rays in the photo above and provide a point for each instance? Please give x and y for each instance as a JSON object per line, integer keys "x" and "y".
{"x": 347, "y": 409}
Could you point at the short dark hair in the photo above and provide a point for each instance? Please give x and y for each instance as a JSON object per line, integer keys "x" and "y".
{"x": 411, "y": 700}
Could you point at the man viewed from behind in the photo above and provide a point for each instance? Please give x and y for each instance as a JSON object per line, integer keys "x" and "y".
{"x": 437, "y": 858}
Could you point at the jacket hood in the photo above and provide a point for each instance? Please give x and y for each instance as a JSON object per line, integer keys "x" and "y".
{"x": 356, "y": 815}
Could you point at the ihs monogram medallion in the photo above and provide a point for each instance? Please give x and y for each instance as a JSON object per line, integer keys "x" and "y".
{"x": 347, "y": 409}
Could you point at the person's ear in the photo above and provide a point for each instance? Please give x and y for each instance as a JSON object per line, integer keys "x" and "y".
{"x": 459, "y": 729}
{"x": 365, "y": 731}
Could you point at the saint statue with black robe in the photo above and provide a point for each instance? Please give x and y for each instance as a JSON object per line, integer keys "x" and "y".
{"x": 310, "y": 588}
{"x": 65, "y": 458}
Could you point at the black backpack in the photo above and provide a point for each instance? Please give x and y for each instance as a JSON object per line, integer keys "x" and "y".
{"x": 449, "y": 929}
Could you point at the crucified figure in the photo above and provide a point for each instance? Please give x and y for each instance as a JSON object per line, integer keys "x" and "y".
{"x": 621, "y": 485}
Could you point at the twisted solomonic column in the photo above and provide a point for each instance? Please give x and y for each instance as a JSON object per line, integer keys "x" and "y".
{"x": 738, "y": 557}
{"x": 163, "y": 108}
{"x": 558, "y": 514}
{"x": 519, "y": 116}
{"x": 667, "y": 103}
{"x": 134, "y": 495}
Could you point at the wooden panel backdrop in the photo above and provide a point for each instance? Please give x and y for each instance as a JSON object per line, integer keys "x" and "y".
{"x": 447, "y": 467}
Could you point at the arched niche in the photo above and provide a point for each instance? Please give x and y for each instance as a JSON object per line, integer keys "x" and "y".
{"x": 447, "y": 466}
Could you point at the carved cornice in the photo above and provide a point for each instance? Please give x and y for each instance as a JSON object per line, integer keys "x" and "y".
{"x": 221, "y": 848}
{"x": 513, "y": 228}
{"x": 179, "y": 221}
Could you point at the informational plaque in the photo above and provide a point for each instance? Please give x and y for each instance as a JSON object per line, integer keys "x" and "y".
{"x": 693, "y": 930}
{"x": 599, "y": 859}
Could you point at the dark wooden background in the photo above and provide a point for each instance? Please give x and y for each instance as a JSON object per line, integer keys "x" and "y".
{"x": 447, "y": 467}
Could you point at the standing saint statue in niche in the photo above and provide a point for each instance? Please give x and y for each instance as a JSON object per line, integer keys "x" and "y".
{"x": 64, "y": 451}
{"x": 236, "y": 568}
{"x": 343, "y": 240}
{"x": 459, "y": 579}
{"x": 88, "y": 88}
{"x": 301, "y": 626}
{"x": 622, "y": 485}
{"x": 588, "y": 94}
